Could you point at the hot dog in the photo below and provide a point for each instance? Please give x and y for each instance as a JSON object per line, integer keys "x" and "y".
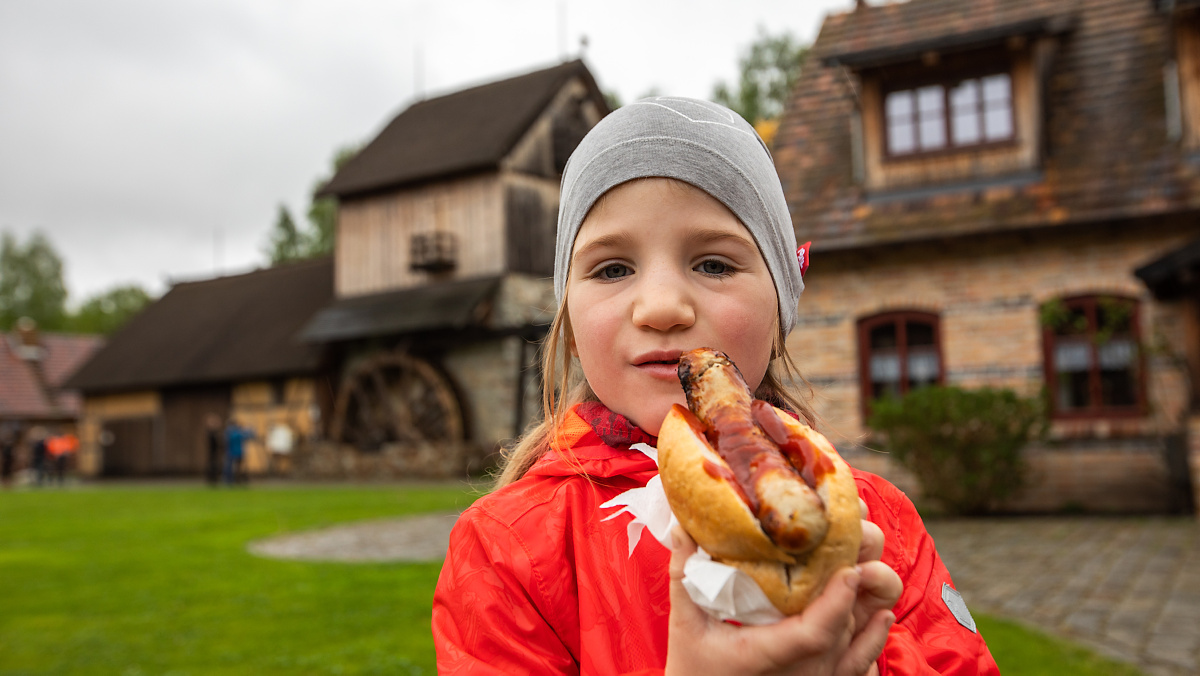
{"x": 754, "y": 487}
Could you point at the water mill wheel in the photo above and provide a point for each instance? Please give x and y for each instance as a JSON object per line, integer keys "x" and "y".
{"x": 395, "y": 398}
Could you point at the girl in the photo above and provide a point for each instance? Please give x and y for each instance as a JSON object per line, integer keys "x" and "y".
{"x": 673, "y": 234}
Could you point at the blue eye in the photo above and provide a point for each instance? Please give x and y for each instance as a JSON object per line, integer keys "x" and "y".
{"x": 614, "y": 271}
{"x": 714, "y": 267}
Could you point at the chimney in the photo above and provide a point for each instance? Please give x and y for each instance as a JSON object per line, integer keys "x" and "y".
{"x": 860, "y": 4}
{"x": 29, "y": 347}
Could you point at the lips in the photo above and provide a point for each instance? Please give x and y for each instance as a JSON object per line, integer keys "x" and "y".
{"x": 658, "y": 357}
{"x": 659, "y": 364}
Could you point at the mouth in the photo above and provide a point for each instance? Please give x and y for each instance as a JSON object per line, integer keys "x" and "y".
{"x": 659, "y": 358}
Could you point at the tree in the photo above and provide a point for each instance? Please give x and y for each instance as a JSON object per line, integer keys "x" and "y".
{"x": 768, "y": 69}
{"x": 287, "y": 242}
{"x": 31, "y": 283}
{"x": 108, "y": 311}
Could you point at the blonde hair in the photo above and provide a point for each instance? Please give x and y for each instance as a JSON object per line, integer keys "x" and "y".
{"x": 562, "y": 391}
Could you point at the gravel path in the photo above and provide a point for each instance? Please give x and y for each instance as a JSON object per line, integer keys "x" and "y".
{"x": 421, "y": 538}
{"x": 1128, "y": 588}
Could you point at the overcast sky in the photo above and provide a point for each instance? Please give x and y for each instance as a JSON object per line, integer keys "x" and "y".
{"x": 153, "y": 141}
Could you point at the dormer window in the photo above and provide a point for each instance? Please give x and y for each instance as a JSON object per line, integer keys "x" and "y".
{"x": 947, "y": 115}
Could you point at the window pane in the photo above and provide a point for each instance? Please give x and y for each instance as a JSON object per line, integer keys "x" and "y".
{"x": 1116, "y": 354}
{"x": 933, "y": 133}
{"x": 901, "y": 139}
{"x": 965, "y": 96}
{"x": 997, "y": 124}
{"x": 1072, "y": 391}
{"x": 885, "y": 375}
{"x": 1072, "y": 357}
{"x": 918, "y": 333}
{"x": 884, "y": 337}
{"x": 965, "y": 128}
{"x": 899, "y": 104}
{"x": 922, "y": 367}
{"x": 1118, "y": 360}
{"x": 885, "y": 368}
{"x": 997, "y": 88}
{"x": 931, "y": 112}
{"x": 930, "y": 100}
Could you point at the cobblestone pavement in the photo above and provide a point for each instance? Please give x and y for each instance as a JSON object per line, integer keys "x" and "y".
{"x": 1128, "y": 588}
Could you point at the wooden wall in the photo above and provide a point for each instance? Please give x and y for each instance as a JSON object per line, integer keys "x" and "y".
{"x": 1187, "y": 50}
{"x": 98, "y": 410}
{"x": 502, "y": 221}
{"x": 375, "y": 234}
{"x": 260, "y": 405}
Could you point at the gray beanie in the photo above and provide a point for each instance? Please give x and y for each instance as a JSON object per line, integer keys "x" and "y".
{"x": 698, "y": 142}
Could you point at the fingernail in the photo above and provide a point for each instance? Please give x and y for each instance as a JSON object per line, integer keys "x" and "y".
{"x": 853, "y": 579}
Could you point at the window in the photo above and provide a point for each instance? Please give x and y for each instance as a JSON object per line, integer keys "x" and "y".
{"x": 939, "y": 116}
{"x": 1092, "y": 360}
{"x": 898, "y": 352}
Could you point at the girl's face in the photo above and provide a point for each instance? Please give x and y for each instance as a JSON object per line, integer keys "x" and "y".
{"x": 659, "y": 268}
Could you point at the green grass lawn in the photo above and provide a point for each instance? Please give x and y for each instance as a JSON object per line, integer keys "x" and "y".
{"x": 156, "y": 580}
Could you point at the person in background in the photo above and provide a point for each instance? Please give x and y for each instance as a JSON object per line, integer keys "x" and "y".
{"x": 8, "y": 450}
{"x": 280, "y": 441}
{"x": 37, "y": 441}
{"x": 213, "y": 440}
{"x": 235, "y": 450}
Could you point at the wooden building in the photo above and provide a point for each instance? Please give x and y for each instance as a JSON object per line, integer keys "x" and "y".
{"x": 223, "y": 347}
{"x": 982, "y": 180}
{"x": 445, "y": 247}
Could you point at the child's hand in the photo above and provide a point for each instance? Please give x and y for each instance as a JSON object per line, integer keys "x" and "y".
{"x": 842, "y": 632}
{"x": 881, "y": 586}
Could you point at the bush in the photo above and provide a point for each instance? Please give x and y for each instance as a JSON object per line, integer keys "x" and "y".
{"x": 964, "y": 446}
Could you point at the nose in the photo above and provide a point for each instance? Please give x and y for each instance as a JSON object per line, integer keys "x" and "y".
{"x": 663, "y": 302}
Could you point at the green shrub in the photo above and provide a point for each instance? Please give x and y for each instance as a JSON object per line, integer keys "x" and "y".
{"x": 964, "y": 446}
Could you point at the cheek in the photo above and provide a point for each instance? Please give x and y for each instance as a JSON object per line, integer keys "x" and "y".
{"x": 748, "y": 329}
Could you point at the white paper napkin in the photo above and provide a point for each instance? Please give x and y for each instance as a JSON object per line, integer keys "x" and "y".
{"x": 724, "y": 591}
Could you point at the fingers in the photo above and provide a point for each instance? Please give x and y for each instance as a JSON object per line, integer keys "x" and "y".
{"x": 824, "y": 628}
{"x": 867, "y": 646}
{"x": 880, "y": 589}
{"x": 871, "y": 548}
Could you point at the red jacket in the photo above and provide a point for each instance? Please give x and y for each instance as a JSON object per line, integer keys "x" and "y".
{"x": 536, "y": 582}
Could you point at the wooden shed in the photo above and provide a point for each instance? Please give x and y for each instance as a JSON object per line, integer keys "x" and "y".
{"x": 445, "y": 243}
{"x": 225, "y": 347}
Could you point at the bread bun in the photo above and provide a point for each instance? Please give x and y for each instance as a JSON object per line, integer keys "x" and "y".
{"x": 719, "y": 512}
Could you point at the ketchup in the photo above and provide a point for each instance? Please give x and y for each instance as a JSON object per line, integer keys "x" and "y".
{"x": 714, "y": 470}
{"x": 807, "y": 460}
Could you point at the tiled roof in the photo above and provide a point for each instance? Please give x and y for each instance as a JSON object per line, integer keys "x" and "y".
{"x": 468, "y": 130}
{"x": 219, "y": 330}
{"x": 1106, "y": 152}
{"x": 26, "y": 394}
{"x": 877, "y": 33}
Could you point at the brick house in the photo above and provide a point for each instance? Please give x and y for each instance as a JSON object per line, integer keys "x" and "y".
{"x": 982, "y": 180}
